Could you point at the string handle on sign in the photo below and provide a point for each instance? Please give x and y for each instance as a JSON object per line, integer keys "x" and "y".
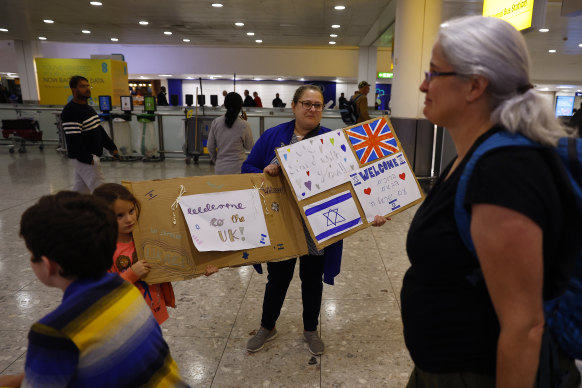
{"x": 177, "y": 203}
{"x": 262, "y": 196}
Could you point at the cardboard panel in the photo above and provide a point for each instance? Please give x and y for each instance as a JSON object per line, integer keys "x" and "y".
{"x": 388, "y": 155}
{"x": 162, "y": 237}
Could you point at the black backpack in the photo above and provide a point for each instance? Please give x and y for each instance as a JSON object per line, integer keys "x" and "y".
{"x": 349, "y": 111}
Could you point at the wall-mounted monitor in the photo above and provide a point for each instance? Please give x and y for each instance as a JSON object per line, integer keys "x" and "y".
{"x": 189, "y": 99}
{"x": 214, "y": 100}
{"x": 564, "y": 105}
{"x": 201, "y": 99}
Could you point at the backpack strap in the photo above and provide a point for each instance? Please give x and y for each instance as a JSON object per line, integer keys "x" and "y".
{"x": 462, "y": 215}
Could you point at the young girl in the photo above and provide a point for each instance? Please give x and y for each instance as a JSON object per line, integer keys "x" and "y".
{"x": 125, "y": 263}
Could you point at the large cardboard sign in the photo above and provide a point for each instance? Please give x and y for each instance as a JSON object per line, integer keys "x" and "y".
{"x": 163, "y": 238}
{"x": 347, "y": 201}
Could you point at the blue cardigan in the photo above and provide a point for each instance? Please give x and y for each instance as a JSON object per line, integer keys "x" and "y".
{"x": 261, "y": 156}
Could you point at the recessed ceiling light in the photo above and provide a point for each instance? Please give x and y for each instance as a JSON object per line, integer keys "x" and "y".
{"x": 143, "y": 23}
{"x": 544, "y": 30}
{"x": 333, "y": 35}
{"x": 335, "y": 26}
{"x": 332, "y": 42}
{"x": 167, "y": 32}
{"x": 257, "y": 79}
{"x": 48, "y": 21}
{"x": 189, "y": 77}
{"x": 186, "y": 40}
{"x": 552, "y": 51}
{"x": 217, "y": 5}
{"x": 250, "y": 33}
{"x": 42, "y": 38}
{"x": 580, "y": 45}
{"x": 340, "y": 7}
{"x": 279, "y": 79}
{"x": 142, "y": 77}
{"x": 114, "y": 39}
{"x": 301, "y": 79}
{"x": 258, "y": 41}
{"x": 239, "y": 24}
{"x": 96, "y": 3}
{"x": 3, "y": 30}
{"x": 85, "y": 31}
{"x": 165, "y": 75}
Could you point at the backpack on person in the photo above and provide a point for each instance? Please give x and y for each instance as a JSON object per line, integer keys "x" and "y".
{"x": 349, "y": 111}
{"x": 563, "y": 314}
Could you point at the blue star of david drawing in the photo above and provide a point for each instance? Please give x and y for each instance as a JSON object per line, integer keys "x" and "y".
{"x": 333, "y": 217}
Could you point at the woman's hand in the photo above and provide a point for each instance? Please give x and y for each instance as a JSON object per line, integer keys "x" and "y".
{"x": 210, "y": 269}
{"x": 380, "y": 220}
{"x": 141, "y": 268}
{"x": 272, "y": 170}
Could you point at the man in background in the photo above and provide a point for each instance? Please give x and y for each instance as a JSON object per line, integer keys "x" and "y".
{"x": 248, "y": 101}
{"x": 257, "y": 99}
{"x": 85, "y": 137}
{"x": 362, "y": 101}
{"x": 162, "y": 99}
{"x": 277, "y": 102}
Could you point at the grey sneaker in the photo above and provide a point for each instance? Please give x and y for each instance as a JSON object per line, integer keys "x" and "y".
{"x": 315, "y": 343}
{"x": 258, "y": 341}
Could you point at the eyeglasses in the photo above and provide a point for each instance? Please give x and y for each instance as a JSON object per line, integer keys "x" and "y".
{"x": 429, "y": 75}
{"x": 307, "y": 105}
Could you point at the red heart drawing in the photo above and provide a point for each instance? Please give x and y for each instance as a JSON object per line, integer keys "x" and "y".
{"x": 367, "y": 191}
{"x": 321, "y": 141}
{"x": 307, "y": 173}
{"x": 402, "y": 176}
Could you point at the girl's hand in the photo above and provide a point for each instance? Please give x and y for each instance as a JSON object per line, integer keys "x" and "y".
{"x": 141, "y": 268}
{"x": 272, "y": 170}
{"x": 379, "y": 220}
{"x": 210, "y": 269}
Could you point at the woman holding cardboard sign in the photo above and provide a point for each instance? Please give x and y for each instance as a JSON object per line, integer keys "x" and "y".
{"x": 487, "y": 248}
{"x": 307, "y": 107}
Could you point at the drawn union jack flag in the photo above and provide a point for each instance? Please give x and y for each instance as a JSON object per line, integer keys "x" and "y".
{"x": 372, "y": 141}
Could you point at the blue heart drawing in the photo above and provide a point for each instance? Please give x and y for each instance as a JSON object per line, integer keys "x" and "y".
{"x": 343, "y": 147}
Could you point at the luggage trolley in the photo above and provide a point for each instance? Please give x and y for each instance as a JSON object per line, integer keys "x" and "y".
{"x": 20, "y": 131}
{"x": 197, "y": 129}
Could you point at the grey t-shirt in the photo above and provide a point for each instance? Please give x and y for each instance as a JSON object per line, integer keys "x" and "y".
{"x": 231, "y": 144}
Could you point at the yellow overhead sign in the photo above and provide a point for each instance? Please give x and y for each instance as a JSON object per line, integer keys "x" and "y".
{"x": 107, "y": 78}
{"x": 517, "y": 13}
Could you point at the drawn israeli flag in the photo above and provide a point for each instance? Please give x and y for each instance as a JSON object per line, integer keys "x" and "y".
{"x": 333, "y": 216}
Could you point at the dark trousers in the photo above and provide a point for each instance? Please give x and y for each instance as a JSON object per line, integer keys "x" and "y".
{"x": 278, "y": 280}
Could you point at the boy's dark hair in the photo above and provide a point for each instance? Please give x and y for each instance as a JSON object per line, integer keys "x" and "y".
{"x": 110, "y": 192}
{"x": 75, "y": 80}
{"x": 77, "y": 231}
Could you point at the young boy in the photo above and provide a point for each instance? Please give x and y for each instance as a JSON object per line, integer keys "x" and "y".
{"x": 102, "y": 334}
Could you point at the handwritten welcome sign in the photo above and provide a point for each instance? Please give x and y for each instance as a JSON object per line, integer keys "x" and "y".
{"x": 385, "y": 186}
{"x": 226, "y": 221}
{"x": 316, "y": 165}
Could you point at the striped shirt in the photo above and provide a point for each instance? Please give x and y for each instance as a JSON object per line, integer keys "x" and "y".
{"x": 83, "y": 132}
{"x": 101, "y": 335}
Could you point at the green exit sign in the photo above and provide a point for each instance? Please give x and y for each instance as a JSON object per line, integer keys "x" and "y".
{"x": 385, "y": 75}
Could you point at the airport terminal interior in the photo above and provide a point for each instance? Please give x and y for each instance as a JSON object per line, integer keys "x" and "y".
{"x": 195, "y": 50}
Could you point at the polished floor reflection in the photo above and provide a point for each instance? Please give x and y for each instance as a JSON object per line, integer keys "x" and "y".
{"x": 207, "y": 332}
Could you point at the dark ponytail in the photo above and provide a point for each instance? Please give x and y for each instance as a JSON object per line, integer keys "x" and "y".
{"x": 233, "y": 104}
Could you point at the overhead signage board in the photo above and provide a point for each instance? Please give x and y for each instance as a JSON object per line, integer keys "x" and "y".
{"x": 518, "y": 13}
{"x": 385, "y": 75}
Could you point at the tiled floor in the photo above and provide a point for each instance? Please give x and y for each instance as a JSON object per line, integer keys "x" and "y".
{"x": 207, "y": 332}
